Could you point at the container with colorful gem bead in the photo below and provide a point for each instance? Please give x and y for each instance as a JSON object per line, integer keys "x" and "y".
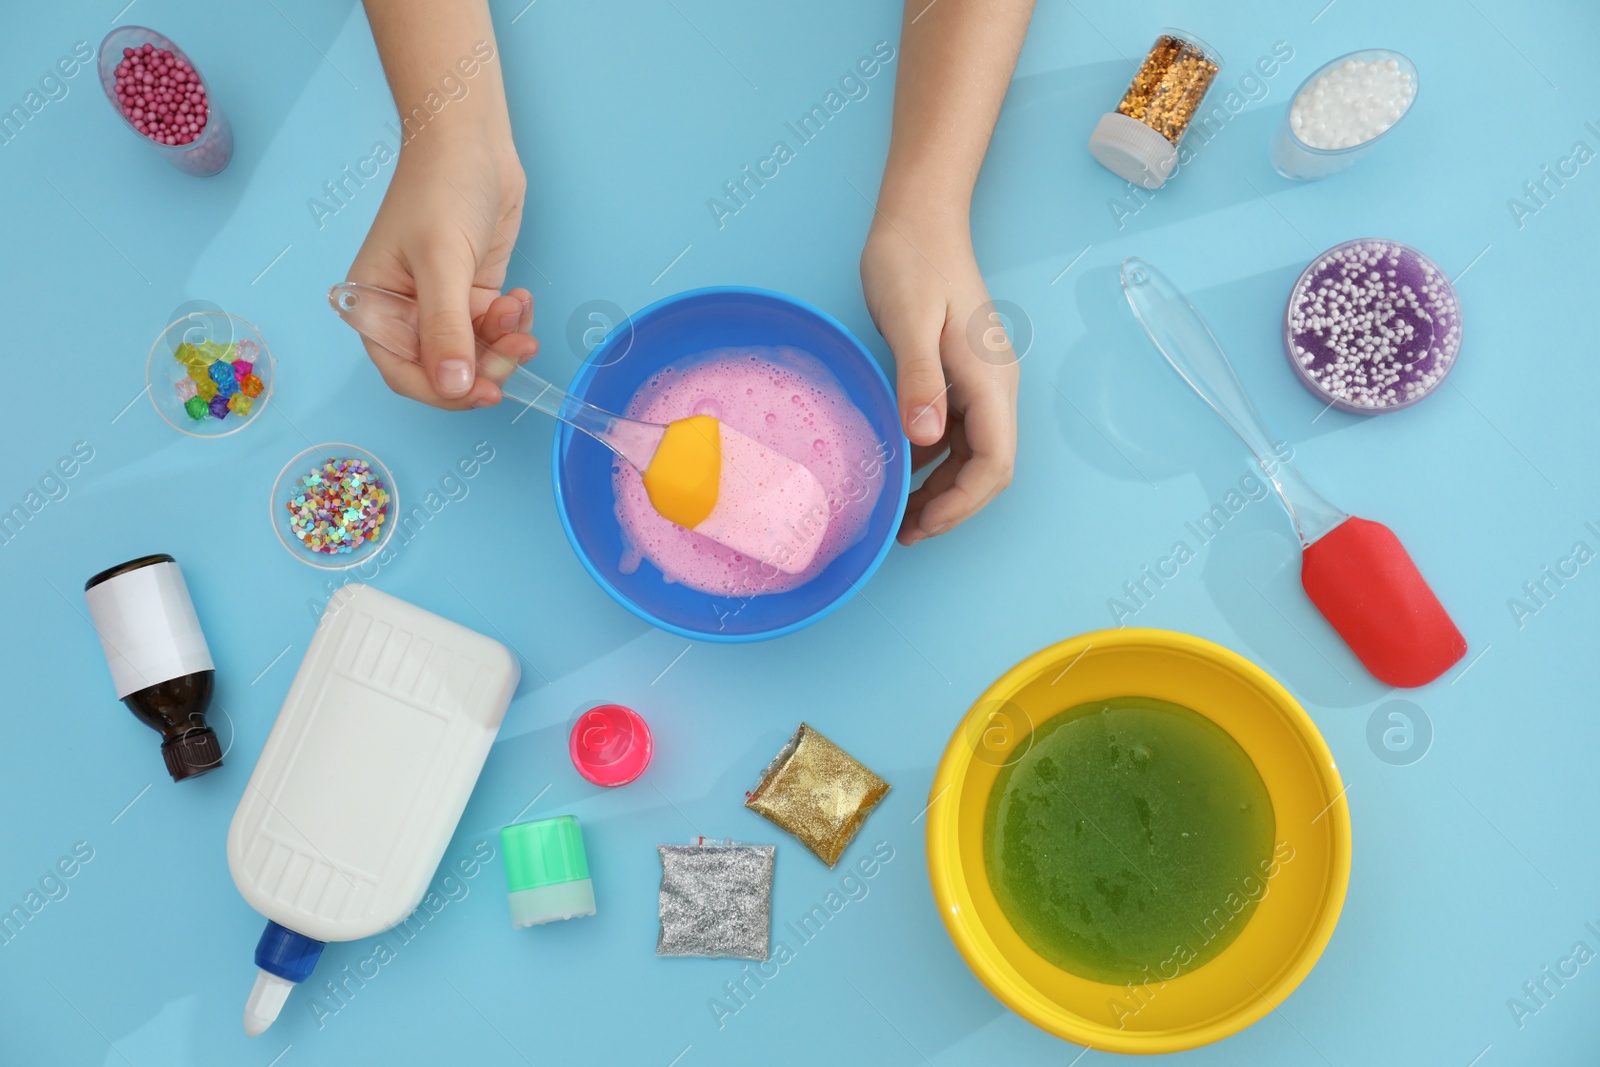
{"x": 160, "y": 96}
{"x": 1341, "y": 111}
{"x": 209, "y": 373}
{"x": 1372, "y": 326}
{"x": 334, "y": 506}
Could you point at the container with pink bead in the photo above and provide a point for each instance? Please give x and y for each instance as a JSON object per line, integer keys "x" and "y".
{"x": 160, "y": 95}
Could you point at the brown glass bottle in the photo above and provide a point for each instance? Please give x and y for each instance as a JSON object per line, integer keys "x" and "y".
{"x": 148, "y": 629}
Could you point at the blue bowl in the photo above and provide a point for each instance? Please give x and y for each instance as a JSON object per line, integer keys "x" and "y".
{"x": 669, "y": 330}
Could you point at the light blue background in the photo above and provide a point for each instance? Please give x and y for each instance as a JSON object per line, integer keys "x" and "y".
{"x": 1473, "y": 867}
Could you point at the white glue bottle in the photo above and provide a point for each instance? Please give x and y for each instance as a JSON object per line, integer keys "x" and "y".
{"x": 362, "y": 780}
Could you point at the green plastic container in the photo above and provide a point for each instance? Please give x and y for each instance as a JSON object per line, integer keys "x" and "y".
{"x": 547, "y": 871}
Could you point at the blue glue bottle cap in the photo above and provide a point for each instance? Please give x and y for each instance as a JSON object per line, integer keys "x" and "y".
{"x": 288, "y": 955}
{"x": 285, "y": 959}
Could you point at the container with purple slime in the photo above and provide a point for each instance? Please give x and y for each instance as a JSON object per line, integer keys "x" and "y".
{"x": 1372, "y": 326}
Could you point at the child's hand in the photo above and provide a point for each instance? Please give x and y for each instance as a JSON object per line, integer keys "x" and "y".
{"x": 956, "y": 372}
{"x": 444, "y": 235}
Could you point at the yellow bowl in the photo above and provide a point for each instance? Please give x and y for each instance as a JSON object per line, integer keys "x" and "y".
{"x": 1175, "y": 1009}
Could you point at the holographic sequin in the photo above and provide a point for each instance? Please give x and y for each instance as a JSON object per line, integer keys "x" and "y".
{"x": 338, "y": 506}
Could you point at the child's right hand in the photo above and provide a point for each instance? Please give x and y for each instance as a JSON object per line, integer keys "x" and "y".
{"x": 444, "y": 236}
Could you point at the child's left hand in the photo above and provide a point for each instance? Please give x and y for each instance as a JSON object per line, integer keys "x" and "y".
{"x": 956, "y": 373}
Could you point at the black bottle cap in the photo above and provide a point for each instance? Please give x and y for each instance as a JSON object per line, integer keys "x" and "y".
{"x": 124, "y": 568}
{"x": 192, "y": 754}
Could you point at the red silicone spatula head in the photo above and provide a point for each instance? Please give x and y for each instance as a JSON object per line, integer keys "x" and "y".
{"x": 1363, "y": 581}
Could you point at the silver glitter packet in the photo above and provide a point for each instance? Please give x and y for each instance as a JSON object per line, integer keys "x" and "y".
{"x": 716, "y": 899}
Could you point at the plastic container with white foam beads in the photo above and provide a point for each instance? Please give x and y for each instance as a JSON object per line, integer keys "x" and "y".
{"x": 1341, "y": 111}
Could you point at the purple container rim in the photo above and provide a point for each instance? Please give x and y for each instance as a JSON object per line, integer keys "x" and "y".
{"x": 127, "y": 123}
{"x": 1313, "y": 386}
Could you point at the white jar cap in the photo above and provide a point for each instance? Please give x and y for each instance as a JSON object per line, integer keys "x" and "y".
{"x": 552, "y": 903}
{"x": 1130, "y": 149}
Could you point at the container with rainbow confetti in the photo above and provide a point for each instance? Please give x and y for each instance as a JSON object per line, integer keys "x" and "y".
{"x": 333, "y": 506}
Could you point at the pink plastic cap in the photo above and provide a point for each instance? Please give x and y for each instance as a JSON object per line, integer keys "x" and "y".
{"x": 611, "y": 745}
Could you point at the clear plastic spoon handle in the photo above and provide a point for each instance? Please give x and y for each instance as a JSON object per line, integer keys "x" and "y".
{"x": 389, "y": 319}
{"x": 1188, "y": 344}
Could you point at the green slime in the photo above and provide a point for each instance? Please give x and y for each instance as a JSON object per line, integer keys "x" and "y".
{"x": 1131, "y": 839}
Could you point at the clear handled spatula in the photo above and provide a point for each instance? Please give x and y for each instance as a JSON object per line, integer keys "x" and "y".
{"x": 699, "y": 472}
{"x": 1355, "y": 571}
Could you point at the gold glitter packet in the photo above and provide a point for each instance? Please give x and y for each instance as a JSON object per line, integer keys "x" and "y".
{"x": 716, "y": 899}
{"x": 816, "y": 791}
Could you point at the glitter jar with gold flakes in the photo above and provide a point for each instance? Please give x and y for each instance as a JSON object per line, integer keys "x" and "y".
{"x": 816, "y": 791}
{"x": 1139, "y": 140}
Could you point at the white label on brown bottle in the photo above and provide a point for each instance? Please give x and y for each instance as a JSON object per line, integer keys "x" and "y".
{"x": 148, "y": 627}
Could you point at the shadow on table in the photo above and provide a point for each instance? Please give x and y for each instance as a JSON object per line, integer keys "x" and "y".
{"x": 1045, "y": 130}
{"x": 259, "y": 70}
{"x": 1122, "y": 408}
{"x": 1253, "y": 578}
